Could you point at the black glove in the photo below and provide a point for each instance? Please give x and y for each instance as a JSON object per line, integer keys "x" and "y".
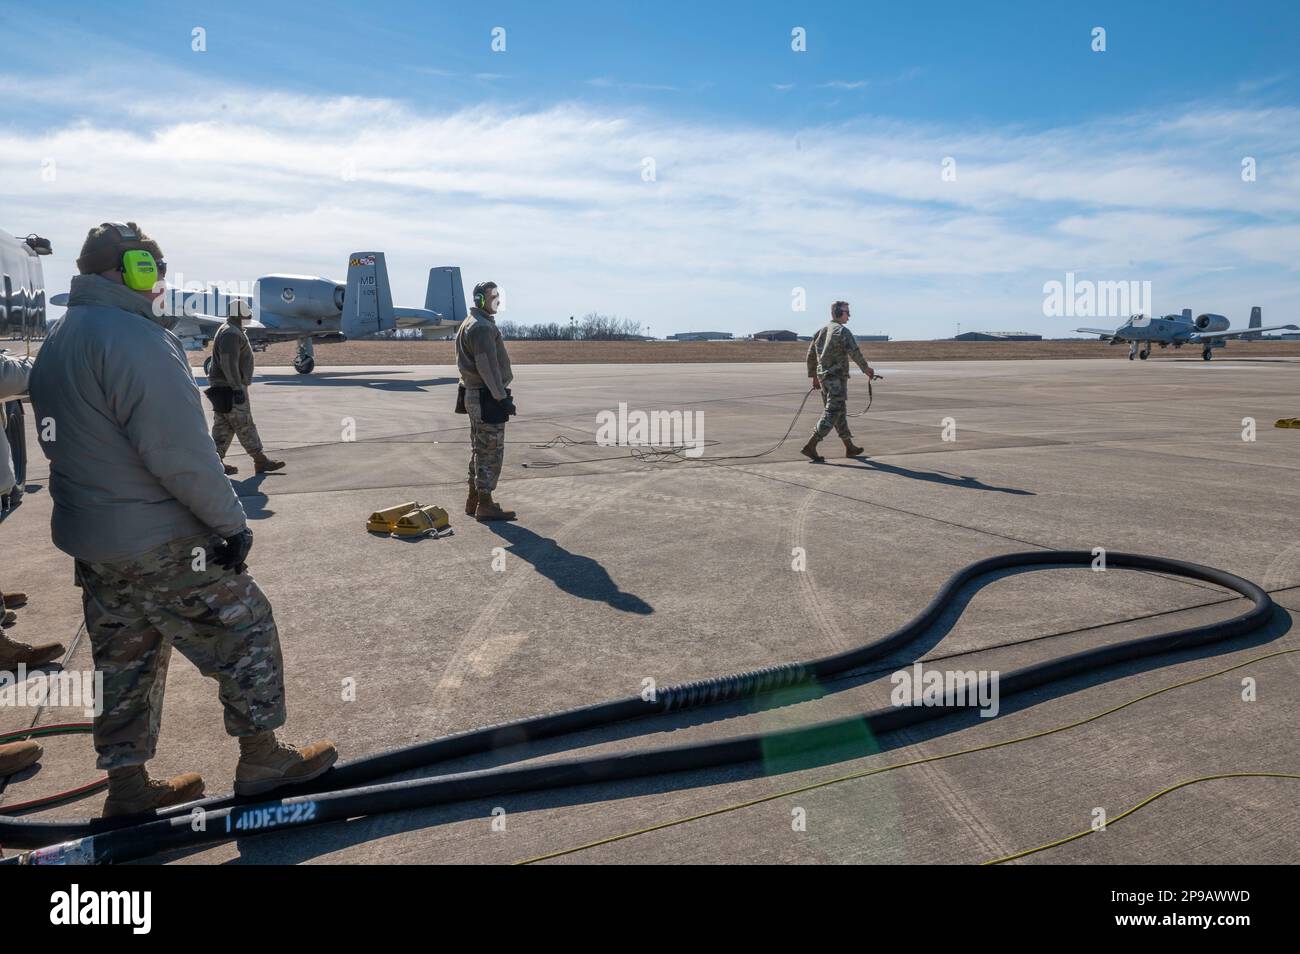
{"x": 236, "y": 396}
{"x": 230, "y": 553}
{"x": 508, "y": 405}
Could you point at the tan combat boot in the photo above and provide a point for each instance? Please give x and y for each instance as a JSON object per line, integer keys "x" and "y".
{"x": 13, "y": 600}
{"x": 15, "y": 653}
{"x": 229, "y": 468}
{"x": 131, "y": 791}
{"x": 266, "y": 763}
{"x": 262, "y": 463}
{"x": 16, "y": 756}
{"x": 471, "y": 502}
{"x": 809, "y": 450}
{"x": 489, "y": 509}
{"x": 851, "y": 449}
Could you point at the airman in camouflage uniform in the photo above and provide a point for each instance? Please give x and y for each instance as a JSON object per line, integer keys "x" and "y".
{"x": 485, "y": 375}
{"x": 232, "y": 367}
{"x": 156, "y": 532}
{"x": 828, "y": 366}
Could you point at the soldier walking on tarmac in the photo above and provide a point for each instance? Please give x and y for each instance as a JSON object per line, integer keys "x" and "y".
{"x": 232, "y": 369}
{"x": 828, "y": 366}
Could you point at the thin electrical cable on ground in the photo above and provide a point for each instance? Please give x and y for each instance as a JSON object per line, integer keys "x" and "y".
{"x": 880, "y": 770}
{"x": 1142, "y": 804}
{"x": 58, "y": 798}
{"x": 663, "y": 454}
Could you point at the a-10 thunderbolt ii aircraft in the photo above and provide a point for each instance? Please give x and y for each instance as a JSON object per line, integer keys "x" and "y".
{"x": 310, "y": 309}
{"x": 1209, "y": 331}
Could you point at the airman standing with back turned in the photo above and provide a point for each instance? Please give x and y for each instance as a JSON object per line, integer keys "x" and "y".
{"x": 828, "y": 366}
{"x": 230, "y": 380}
{"x": 485, "y": 376}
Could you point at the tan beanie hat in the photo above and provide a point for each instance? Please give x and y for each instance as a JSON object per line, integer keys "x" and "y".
{"x": 106, "y": 243}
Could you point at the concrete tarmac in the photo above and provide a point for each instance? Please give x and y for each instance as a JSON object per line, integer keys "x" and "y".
{"x": 622, "y": 570}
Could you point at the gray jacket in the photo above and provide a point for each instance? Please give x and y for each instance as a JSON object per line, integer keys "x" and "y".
{"x": 132, "y": 466}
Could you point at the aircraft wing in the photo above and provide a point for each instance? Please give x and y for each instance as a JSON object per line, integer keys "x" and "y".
{"x": 416, "y": 317}
{"x": 1104, "y": 332}
{"x": 1238, "y": 332}
{"x": 212, "y": 323}
{"x": 206, "y": 322}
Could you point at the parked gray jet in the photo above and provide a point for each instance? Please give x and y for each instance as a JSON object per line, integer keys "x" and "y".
{"x": 1209, "y": 331}
{"x": 309, "y": 309}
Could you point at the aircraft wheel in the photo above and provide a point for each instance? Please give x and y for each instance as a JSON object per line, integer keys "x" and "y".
{"x": 304, "y": 364}
{"x": 1144, "y": 355}
{"x": 207, "y": 366}
{"x": 1206, "y": 355}
{"x": 1130, "y": 355}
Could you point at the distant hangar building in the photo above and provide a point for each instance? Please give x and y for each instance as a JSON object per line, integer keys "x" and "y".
{"x": 701, "y": 336}
{"x": 998, "y": 336}
{"x": 775, "y": 336}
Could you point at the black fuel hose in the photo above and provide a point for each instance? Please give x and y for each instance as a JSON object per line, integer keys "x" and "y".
{"x": 333, "y": 796}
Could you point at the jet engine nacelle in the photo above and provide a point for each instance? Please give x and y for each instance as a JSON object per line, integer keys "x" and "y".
{"x": 1212, "y": 323}
{"x": 298, "y": 296}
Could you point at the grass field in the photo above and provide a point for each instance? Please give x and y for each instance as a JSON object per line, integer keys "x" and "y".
{"x": 695, "y": 352}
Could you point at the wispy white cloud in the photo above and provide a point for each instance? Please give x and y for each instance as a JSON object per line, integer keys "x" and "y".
{"x": 561, "y": 204}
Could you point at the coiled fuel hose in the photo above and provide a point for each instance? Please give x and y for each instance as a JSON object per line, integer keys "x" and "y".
{"x": 343, "y": 792}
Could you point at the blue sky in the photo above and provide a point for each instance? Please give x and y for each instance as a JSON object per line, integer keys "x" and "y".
{"x": 305, "y": 131}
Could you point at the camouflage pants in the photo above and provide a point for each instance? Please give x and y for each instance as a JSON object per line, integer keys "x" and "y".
{"x": 835, "y": 396}
{"x": 487, "y": 445}
{"x": 220, "y": 621}
{"x": 237, "y": 422}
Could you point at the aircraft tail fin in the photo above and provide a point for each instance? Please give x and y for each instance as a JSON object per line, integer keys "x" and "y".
{"x": 446, "y": 294}
{"x": 1256, "y": 320}
{"x": 367, "y": 300}
{"x": 1187, "y": 314}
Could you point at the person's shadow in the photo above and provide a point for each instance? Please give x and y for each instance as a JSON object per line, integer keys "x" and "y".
{"x": 933, "y": 477}
{"x": 577, "y": 575}
{"x": 249, "y": 492}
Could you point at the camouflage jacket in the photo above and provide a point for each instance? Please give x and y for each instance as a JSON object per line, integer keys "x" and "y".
{"x": 830, "y": 351}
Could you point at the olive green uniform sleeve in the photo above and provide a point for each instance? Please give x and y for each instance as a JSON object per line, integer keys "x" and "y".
{"x": 853, "y": 351}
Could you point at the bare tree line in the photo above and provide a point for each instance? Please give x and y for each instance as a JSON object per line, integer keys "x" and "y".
{"x": 590, "y": 327}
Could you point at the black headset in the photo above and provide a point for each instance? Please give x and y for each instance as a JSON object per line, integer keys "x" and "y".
{"x": 481, "y": 292}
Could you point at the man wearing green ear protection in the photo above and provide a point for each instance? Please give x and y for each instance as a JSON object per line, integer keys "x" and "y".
{"x": 158, "y": 536}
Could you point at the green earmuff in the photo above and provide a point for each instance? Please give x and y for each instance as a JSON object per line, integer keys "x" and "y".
{"x": 139, "y": 270}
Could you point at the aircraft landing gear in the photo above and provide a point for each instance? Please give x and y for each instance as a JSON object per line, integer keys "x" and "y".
{"x": 1132, "y": 350}
{"x": 1145, "y": 353}
{"x": 1206, "y": 354}
{"x": 305, "y": 362}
